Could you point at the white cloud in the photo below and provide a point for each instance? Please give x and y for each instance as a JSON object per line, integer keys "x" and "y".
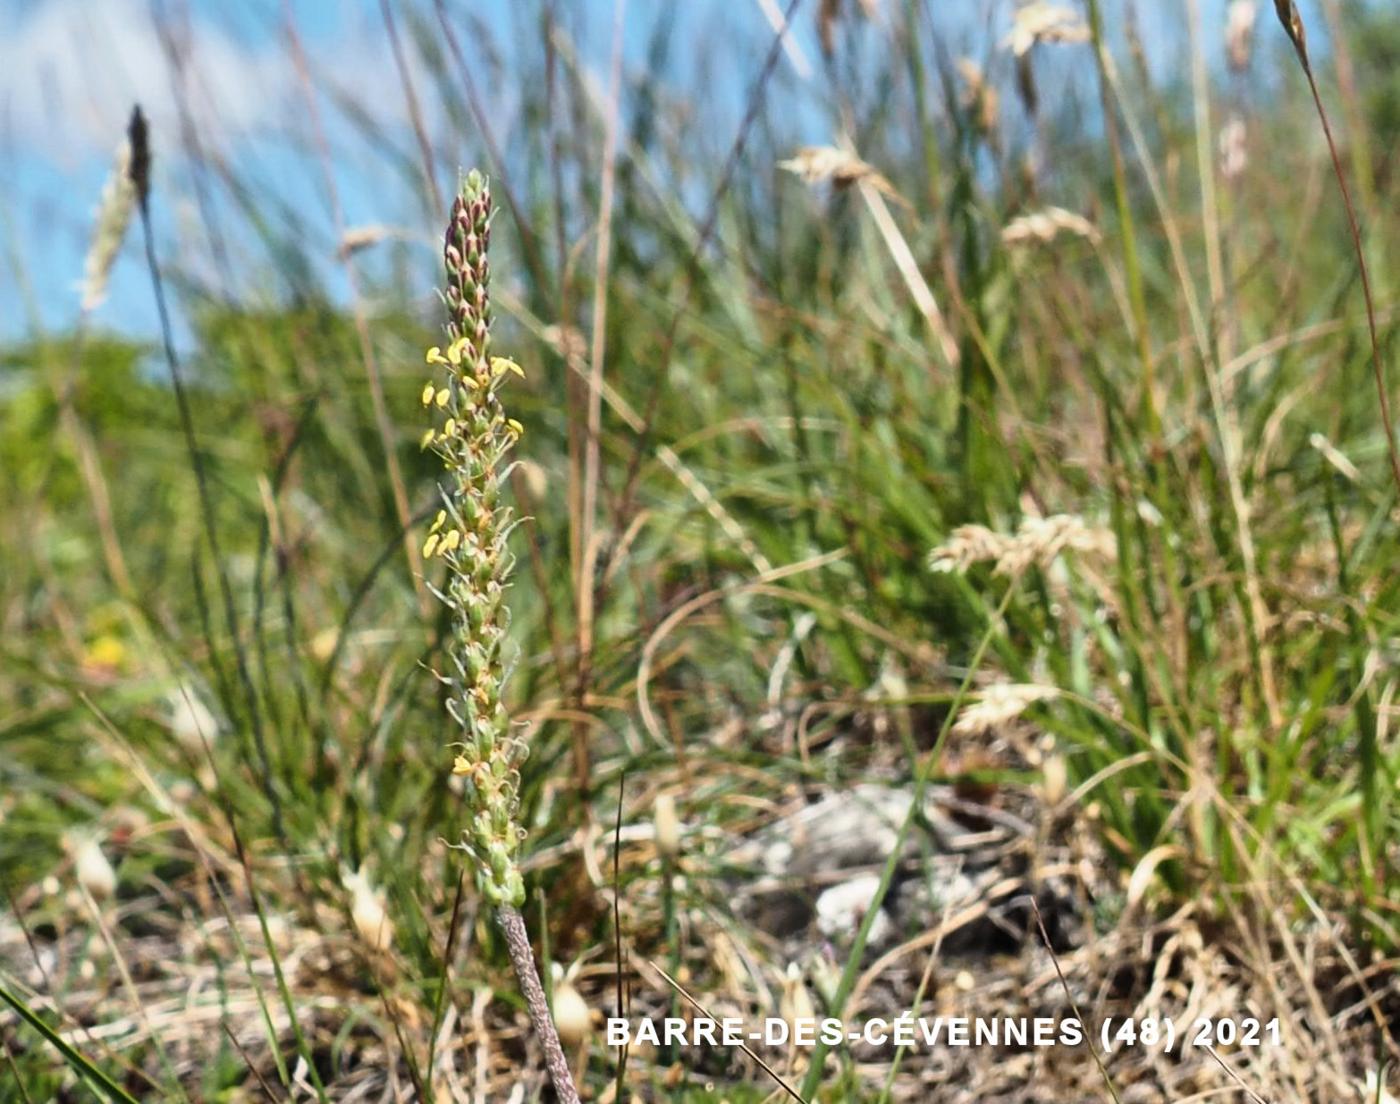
{"x": 74, "y": 68}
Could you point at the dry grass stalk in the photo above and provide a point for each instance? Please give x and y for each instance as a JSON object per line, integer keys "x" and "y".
{"x": 1292, "y": 21}
{"x": 818, "y": 164}
{"x": 1335, "y": 457}
{"x": 570, "y": 344}
{"x": 795, "y": 54}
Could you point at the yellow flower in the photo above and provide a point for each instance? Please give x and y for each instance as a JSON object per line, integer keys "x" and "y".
{"x": 105, "y": 652}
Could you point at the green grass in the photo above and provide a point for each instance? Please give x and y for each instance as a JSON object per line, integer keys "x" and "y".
{"x": 782, "y": 445}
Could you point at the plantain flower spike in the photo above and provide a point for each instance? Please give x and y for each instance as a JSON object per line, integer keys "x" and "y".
{"x": 470, "y": 535}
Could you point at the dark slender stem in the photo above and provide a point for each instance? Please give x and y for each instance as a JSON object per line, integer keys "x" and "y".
{"x": 1292, "y": 21}
{"x": 522, "y": 958}
{"x": 140, "y": 178}
{"x": 1376, "y": 368}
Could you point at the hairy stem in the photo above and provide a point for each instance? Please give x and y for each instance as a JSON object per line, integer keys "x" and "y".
{"x": 527, "y": 976}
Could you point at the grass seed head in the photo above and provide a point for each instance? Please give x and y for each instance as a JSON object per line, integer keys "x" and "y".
{"x": 1045, "y": 226}
{"x": 114, "y": 212}
{"x": 997, "y": 705}
{"x": 1040, "y": 22}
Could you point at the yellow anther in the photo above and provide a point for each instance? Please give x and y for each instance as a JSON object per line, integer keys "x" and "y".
{"x": 428, "y": 391}
{"x": 450, "y": 428}
{"x": 456, "y": 349}
{"x": 434, "y": 356}
{"x": 427, "y": 438}
{"x": 430, "y": 545}
{"x": 449, "y": 542}
{"x": 442, "y": 396}
{"x": 501, "y": 365}
{"x": 437, "y": 521}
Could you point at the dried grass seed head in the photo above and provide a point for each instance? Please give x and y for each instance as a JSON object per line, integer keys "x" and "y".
{"x": 1043, "y": 227}
{"x": 997, "y": 705}
{"x": 1040, "y": 22}
{"x": 1038, "y": 541}
{"x": 822, "y": 164}
{"x": 114, "y": 211}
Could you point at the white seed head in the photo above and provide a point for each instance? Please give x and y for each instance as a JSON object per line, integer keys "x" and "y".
{"x": 819, "y": 164}
{"x": 667, "y": 826}
{"x": 1043, "y": 227}
{"x": 368, "y": 911}
{"x": 967, "y": 545}
{"x": 1054, "y": 779}
{"x": 114, "y": 212}
{"x": 572, "y": 1018}
{"x": 1037, "y": 541}
{"x": 999, "y": 704}
{"x": 1040, "y": 22}
{"x": 92, "y": 868}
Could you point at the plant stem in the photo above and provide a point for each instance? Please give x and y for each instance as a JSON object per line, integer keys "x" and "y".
{"x": 522, "y": 958}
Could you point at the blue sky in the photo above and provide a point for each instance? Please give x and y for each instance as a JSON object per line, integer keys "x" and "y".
{"x": 72, "y": 68}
